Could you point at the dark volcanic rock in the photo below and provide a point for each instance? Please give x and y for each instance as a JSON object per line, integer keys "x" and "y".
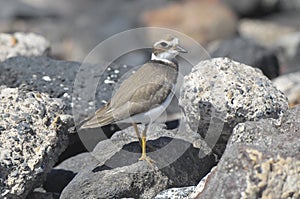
{"x": 220, "y": 93}
{"x": 178, "y": 163}
{"x": 249, "y": 52}
{"x": 261, "y": 161}
{"x": 32, "y": 136}
{"x": 250, "y": 8}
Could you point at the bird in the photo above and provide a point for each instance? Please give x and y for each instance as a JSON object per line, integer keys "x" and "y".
{"x": 143, "y": 96}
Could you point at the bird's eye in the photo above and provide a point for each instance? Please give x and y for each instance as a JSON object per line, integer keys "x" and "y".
{"x": 164, "y": 44}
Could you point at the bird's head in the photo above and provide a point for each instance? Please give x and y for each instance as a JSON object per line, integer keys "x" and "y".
{"x": 167, "y": 49}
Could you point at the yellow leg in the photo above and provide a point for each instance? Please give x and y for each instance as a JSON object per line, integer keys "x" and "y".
{"x": 144, "y": 156}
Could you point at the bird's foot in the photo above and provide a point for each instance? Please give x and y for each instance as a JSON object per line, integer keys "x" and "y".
{"x": 144, "y": 157}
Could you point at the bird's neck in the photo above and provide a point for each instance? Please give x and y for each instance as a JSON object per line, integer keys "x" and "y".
{"x": 163, "y": 59}
{"x": 172, "y": 63}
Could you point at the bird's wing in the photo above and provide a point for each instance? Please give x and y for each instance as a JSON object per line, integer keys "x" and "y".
{"x": 148, "y": 86}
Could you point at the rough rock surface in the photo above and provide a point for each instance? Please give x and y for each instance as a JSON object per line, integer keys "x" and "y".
{"x": 22, "y": 44}
{"x": 175, "y": 193}
{"x": 31, "y": 138}
{"x": 289, "y": 84}
{"x": 187, "y": 17}
{"x": 220, "y": 93}
{"x": 247, "y": 51}
{"x": 261, "y": 161}
{"x": 178, "y": 163}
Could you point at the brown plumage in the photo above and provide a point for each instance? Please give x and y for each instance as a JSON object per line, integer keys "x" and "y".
{"x": 147, "y": 88}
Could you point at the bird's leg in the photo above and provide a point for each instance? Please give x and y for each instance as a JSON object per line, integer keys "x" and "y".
{"x": 136, "y": 130}
{"x": 144, "y": 155}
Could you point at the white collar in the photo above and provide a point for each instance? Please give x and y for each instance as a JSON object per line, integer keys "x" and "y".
{"x": 154, "y": 57}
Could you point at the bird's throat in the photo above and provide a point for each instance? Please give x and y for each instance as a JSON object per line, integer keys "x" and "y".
{"x": 161, "y": 58}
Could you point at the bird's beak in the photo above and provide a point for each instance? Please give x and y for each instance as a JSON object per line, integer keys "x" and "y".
{"x": 181, "y": 49}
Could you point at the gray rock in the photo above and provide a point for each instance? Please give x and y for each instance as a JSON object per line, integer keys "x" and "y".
{"x": 22, "y": 44}
{"x": 62, "y": 174}
{"x": 262, "y": 161}
{"x": 289, "y": 84}
{"x": 43, "y": 195}
{"x": 73, "y": 27}
{"x": 201, "y": 185}
{"x": 265, "y": 32}
{"x": 31, "y": 138}
{"x": 41, "y": 74}
{"x": 250, "y": 8}
{"x": 176, "y": 193}
{"x": 77, "y": 163}
{"x": 220, "y": 93}
{"x": 177, "y": 163}
{"x": 249, "y": 52}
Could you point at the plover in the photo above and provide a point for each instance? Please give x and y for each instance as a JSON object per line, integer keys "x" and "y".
{"x": 144, "y": 95}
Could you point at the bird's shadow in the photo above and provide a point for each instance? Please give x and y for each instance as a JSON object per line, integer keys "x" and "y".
{"x": 130, "y": 153}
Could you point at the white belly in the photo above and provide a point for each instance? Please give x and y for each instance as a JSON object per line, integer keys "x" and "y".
{"x": 151, "y": 115}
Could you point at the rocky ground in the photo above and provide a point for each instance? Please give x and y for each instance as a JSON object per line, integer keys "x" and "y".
{"x": 238, "y": 132}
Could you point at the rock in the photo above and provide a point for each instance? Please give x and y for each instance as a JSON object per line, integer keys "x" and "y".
{"x": 77, "y": 163}
{"x": 43, "y": 195}
{"x": 261, "y": 161}
{"x": 290, "y": 5}
{"x": 177, "y": 163}
{"x": 22, "y": 44}
{"x": 249, "y": 52}
{"x": 250, "y": 8}
{"x": 175, "y": 193}
{"x": 289, "y": 51}
{"x": 220, "y": 93}
{"x": 289, "y": 84}
{"x": 41, "y": 74}
{"x": 199, "y": 188}
{"x": 264, "y": 32}
{"x": 31, "y": 138}
{"x": 188, "y": 18}
{"x": 62, "y": 174}
{"x": 73, "y": 28}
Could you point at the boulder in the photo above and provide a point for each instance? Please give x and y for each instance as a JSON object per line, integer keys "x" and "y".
{"x": 248, "y": 51}
{"x": 22, "y": 44}
{"x": 220, "y": 93}
{"x": 262, "y": 161}
{"x": 178, "y": 162}
{"x": 32, "y": 136}
{"x": 289, "y": 84}
{"x": 251, "y": 8}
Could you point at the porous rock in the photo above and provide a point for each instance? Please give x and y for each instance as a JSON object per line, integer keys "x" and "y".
{"x": 22, "y": 44}
{"x": 177, "y": 163}
{"x": 247, "y": 51}
{"x": 31, "y": 138}
{"x": 220, "y": 93}
{"x": 262, "y": 161}
{"x": 176, "y": 193}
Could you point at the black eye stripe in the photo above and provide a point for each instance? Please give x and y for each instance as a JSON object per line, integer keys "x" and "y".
{"x": 163, "y": 44}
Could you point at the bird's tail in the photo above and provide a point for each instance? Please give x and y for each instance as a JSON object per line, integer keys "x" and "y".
{"x": 102, "y": 117}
